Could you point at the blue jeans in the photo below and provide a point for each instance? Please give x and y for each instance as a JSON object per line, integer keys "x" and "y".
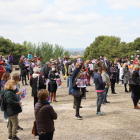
{"x": 100, "y": 96}
{"x": 105, "y": 92}
{"x": 93, "y": 77}
{"x": 67, "y": 81}
{"x": 70, "y": 85}
{"x": 5, "y": 117}
{"x": 131, "y": 94}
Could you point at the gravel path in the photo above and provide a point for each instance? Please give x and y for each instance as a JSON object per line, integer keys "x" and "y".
{"x": 121, "y": 121}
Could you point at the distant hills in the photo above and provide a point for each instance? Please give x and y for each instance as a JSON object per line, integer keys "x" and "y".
{"x": 76, "y": 51}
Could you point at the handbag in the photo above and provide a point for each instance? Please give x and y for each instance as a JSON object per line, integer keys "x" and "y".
{"x": 34, "y": 131}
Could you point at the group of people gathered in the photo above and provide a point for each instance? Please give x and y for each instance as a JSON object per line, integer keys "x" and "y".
{"x": 45, "y": 76}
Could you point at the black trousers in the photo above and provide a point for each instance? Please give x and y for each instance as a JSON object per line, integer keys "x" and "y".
{"x": 136, "y": 94}
{"x": 47, "y": 136}
{"x": 35, "y": 100}
{"x": 113, "y": 85}
{"x": 78, "y": 103}
{"x": 24, "y": 78}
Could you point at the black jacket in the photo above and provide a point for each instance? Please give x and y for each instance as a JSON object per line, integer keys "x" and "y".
{"x": 75, "y": 72}
{"x": 23, "y": 69}
{"x": 33, "y": 84}
{"x": 45, "y": 117}
{"x": 53, "y": 75}
{"x": 45, "y": 71}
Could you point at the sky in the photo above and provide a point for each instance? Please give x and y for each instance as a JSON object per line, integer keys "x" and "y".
{"x": 69, "y": 23}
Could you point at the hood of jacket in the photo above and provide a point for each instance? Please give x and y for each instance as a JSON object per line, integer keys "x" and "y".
{"x": 35, "y": 75}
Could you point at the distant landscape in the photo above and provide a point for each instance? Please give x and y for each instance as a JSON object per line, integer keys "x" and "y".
{"x": 76, "y": 52}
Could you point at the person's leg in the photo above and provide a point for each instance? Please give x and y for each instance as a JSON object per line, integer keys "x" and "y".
{"x": 48, "y": 136}
{"x": 51, "y": 95}
{"x": 54, "y": 97}
{"x": 67, "y": 81}
{"x": 25, "y": 80}
{"x": 42, "y": 137}
{"x": 125, "y": 88}
{"x": 132, "y": 95}
{"x": 14, "y": 121}
{"x": 74, "y": 103}
{"x": 105, "y": 92}
{"x": 135, "y": 98}
{"x": 100, "y": 100}
{"x": 12, "y": 66}
{"x": 122, "y": 82}
{"x": 70, "y": 85}
{"x": 5, "y": 117}
{"x": 93, "y": 77}
{"x": 78, "y": 102}
{"x": 112, "y": 86}
{"x": 35, "y": 100}
{"x": 9, "y": 127}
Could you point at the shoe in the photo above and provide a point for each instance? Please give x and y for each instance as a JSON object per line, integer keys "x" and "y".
{"x": 16, "y": 138}
{"x": 89, "y": 84}
{"x": 87, "y": 91}
{"x": 55, "y": 101}
{"x": 5, "y": 120}
{"x": 10, "y": 138}
{"x": 84, "y": 98}
{"x": 126, "y": 91}
{"x": 74, "y": 106}
{"x": 106, "y": 102}
{"x": 100, "y": 113}
{"x": 19, "y": 128}
{"x": 114, "y": 93}
{"x": 26, "y": 84}
{"x": 81, "y": 107}
{"x": 78, "y": 117}
{"x": 136, "y": 107}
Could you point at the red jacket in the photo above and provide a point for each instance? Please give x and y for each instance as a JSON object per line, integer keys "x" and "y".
{"x": 2, "y": 71}
{"x": 135, "y": 62}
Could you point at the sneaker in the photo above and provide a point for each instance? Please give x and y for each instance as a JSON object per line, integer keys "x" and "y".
{"x": 19, "y": 128}
{"x": 10, "y": 138}
{"x": 16, "y": 138}
{"x": 100, "y": 113}
{"x": 114, "y": 93}
{"x": 78, "y": 117}
{"x": 5, "y": 120}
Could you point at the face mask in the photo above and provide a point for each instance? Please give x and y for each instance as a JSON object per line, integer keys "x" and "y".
{"x": 69, "y": 61}
{"x": 40, "y": 69}
{"x": 14, "y": 88}
{"x": 105, "y": 59}
{"x": 128, "y": 63}
{"x": 53, "y": 69}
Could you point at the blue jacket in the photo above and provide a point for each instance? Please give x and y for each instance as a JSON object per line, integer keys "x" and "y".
{"x": 99, "y": 84}
{"x": 7, "y": 67}
{"x": 29, "y": 56}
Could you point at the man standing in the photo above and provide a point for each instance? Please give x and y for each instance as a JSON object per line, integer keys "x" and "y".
{"x": 62, "y": 65}
{"x": 96, "y": 66}
{"x": 135, "y": 61}
{"x": 100, "y": 86}
{"x": 11, "y": 60}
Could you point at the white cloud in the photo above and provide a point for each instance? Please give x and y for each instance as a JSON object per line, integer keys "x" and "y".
{"x": 123, "y": 4}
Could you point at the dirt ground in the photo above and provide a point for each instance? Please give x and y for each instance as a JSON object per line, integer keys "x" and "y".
{"x": 121, "y": 120}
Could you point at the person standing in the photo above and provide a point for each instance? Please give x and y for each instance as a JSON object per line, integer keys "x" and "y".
{"x": 126, "y": 74}
{"x": 135, "y": 61}
{"x": 62, "y": 65}
{"x": 70, "y": 72}
{"x": 45, "y": 115}
{"x": 2, "y": 71}
{"x": 29, "y": 55}
{"x": 6, "y": 66}
{"x": 106, "y": 79}
{"x": 11, "y": 60}
{"x": 113, "y": 75}
{"x": 99, "y": 86}
{"x": 121, "y": 74}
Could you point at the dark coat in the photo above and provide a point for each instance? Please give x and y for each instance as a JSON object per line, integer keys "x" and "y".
{"x": 23, "y": 69}
{"x": 11, "y": 102}
{"x": 113, "y": 73}
{"x": 75, "y": 72}
{"x": 53, "y": 75}
{"x": 99, "y": 84}
{"x": 45, "y": 117}
{"x": 45, "y": 71}
{"x": 33, "y": 84}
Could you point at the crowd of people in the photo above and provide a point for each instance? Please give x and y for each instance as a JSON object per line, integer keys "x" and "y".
{"x": 78, "y": 73}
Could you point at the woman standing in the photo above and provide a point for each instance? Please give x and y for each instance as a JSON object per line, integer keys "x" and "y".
{"x": 135, "y": 86}
{"x": 45, "y": 115}
{"x": 113, "y": 75}
{"x": 12, "y": 108}
{"x": 23, "y": 71}
{"x": 36, "y": 82}
{"x": 126, "y": 75}
{"x": 52, "y": 86}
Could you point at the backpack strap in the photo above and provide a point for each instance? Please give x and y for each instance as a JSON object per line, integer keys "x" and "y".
{"x": 38, "y": 112}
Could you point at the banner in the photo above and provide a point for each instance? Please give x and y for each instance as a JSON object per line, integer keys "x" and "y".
{"x": 58, "y": 82}
{"x": 23, "y": 95}
{"x": 81, "y": 83}
{"x": 47, "y": 81}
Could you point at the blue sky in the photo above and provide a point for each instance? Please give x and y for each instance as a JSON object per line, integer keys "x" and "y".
{"x": 70, "y": 23}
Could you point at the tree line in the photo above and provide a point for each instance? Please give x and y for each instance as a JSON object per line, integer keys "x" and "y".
{"x": 44, "y": 50}
{"x": 112, "y": 47}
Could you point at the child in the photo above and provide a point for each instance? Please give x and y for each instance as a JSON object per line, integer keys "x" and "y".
{"x": 16, "y": 78}
{"x": 5, "y": 78}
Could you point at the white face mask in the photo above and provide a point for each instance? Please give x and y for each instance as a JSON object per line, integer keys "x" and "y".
{"x": 14, "y": 88}
{"x": 53, "y": 69}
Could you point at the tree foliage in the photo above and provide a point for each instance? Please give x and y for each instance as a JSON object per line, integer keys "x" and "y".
{"x": 111, "y": 47}
{"x": 6, "y": 46}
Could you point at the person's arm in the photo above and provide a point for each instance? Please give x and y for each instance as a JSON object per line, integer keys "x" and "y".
{"x": 52, "y": 113}
{"x": 74, "y": 75}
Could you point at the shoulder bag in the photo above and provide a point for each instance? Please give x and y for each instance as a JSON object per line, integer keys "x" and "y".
{"x": 34, "y": 131}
